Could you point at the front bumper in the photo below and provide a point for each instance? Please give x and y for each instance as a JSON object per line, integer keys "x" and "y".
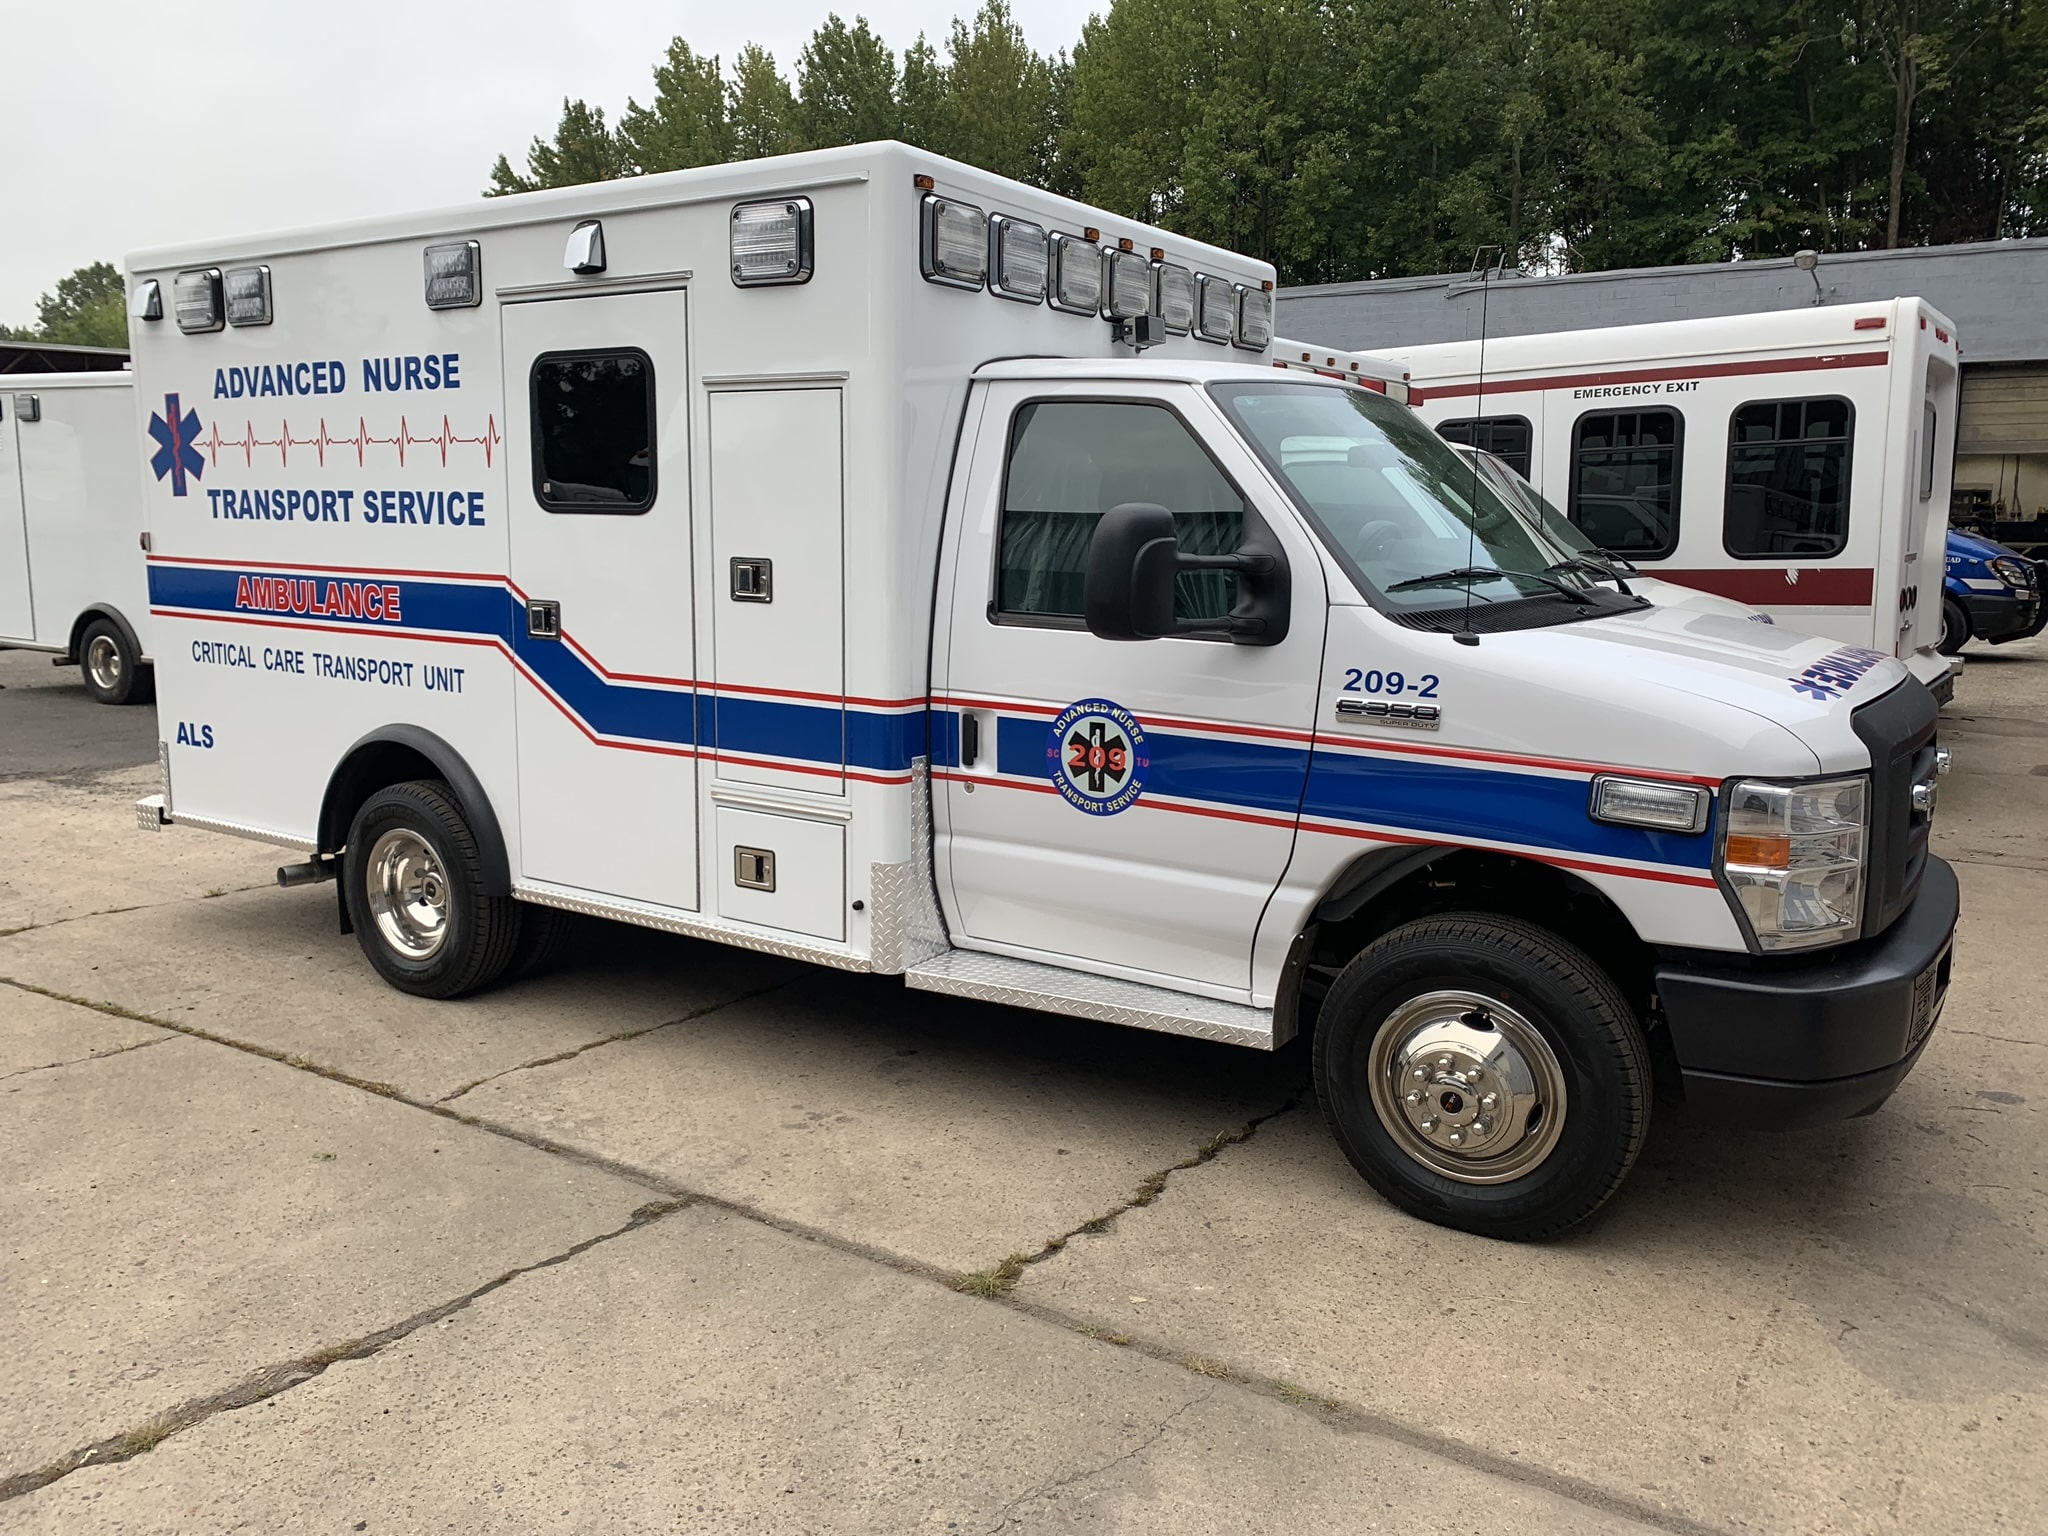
{"x": 1827, "y": 1037}
{"x": 2002, "y": 616}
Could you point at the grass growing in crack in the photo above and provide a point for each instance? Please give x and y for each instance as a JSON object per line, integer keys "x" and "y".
{"x": 1105, "y": 1335}
{"x": 145, "y": 1436}
{"x": 999, "y": 1281}
{"x": 1202, "y": 1365}
{"x": 1290, "y": 1393}
{"x": 216, "y": 890}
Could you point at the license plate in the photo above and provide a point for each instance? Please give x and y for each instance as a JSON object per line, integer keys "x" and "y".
{"x": 1928, "y": 993}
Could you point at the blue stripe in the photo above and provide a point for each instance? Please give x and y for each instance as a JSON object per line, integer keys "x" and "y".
{"x": 1454, "y": 801}
{"x": 883, "y": 741}
{"x": 1272, "y": 778}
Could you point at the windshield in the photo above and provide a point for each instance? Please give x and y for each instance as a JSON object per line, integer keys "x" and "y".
{"x": 1557, "y": 528}
{"x": 1415, "y": 524}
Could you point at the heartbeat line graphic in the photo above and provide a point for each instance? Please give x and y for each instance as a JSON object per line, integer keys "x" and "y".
{"x": 361, "y": 440}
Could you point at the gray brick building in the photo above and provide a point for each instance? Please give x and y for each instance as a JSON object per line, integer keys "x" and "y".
{"x": 1997, "y": 294}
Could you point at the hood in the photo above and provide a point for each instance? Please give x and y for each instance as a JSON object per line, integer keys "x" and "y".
{"x": 1669, "y": 594}
{"x": 1675, "y": 661}
{"x": 1970, "y": 546}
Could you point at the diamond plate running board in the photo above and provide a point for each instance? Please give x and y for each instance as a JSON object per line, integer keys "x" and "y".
{"x": 1054, "y": 989}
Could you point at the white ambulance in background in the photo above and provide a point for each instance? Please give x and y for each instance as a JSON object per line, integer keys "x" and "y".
{"x": 1798, "y": 461}
{"x": 72, "y": 579}
{"x": 1577, "y": 557}
{"x": 860, "y": 557}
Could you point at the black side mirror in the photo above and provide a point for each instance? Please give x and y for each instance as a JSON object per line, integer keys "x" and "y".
{"x": 1133, "y": 561}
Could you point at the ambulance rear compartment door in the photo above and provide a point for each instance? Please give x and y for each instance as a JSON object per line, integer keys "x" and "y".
{"x": 17, "y": 613}
{"x": 778, "y": 597}
{"x": 601, "y": 608}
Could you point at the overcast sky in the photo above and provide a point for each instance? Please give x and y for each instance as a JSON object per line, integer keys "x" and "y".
{"x": 129, "y": 125}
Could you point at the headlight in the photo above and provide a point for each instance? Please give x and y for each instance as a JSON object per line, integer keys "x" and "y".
{"x": 1792, "y": 855}
{"x": 2012, "y": 572}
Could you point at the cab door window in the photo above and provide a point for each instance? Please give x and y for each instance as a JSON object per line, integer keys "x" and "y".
{"x": 1625, "y": 468}
{"x": 1788, "y": 479}
{"x": 1069, "y": 462}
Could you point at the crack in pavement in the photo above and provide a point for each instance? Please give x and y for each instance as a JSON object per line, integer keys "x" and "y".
{"x": 1059, "y": 1485}
{"x": 275, "y": 1379}
{"x": 624, "y": 1034}
{"x": 211, "y": 893}
{"x": 999, "y": 1279}
{"x": 119, "y": 1050}
{"x": 1331, "y": 1411}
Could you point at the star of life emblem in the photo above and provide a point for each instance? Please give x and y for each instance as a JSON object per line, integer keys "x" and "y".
{"x": 1095, "y": 753}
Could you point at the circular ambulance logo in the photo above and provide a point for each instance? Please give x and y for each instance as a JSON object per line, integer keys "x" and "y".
{"x": 1096, "y": 753}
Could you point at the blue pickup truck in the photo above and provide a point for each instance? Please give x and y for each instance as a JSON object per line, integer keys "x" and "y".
{"x": 1988, "y": 593}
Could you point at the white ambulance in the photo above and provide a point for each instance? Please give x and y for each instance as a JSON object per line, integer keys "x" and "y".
{"x": 859, "y": 557}
{"x": 1797, "y": 461}
{"x": 72, "y": 579}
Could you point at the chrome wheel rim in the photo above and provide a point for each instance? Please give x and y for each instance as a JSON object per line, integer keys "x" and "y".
{"x": 103, "y": 661}
{"x": 1467, "y": 1087}
{"x": 408, "y": 894}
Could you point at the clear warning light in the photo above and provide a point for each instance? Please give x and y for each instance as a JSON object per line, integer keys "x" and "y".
{"x": 771, "y": 242}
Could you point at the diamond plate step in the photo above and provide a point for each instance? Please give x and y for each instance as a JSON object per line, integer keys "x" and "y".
{"x": 1054, "y": 989}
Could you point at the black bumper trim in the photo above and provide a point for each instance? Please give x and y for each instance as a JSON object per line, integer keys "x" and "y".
{"x": 1765, "y": 1103}
{"x": 2001, "y": 616}
{"x": 1831, "y": 1029}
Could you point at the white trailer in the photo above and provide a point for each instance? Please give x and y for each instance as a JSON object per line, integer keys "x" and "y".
{"x": 72, "y": 579}
{"x": 863, "y": 558}
{"x": 1798, "y": 462}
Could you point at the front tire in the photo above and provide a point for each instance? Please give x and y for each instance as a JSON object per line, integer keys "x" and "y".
{"x": 1955, "y": 627}
{"x": 112, "y": 671}
{"x": 1483, "y": 1074}
{"x": 417, "y": 898}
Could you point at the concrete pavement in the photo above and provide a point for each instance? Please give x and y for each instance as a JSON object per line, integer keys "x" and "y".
{"x": 680, "y": 1238}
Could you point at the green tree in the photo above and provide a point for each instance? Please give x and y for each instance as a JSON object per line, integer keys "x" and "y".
{"x": 846, "y": 86}
{"x": 686, "y": 124}
{"x": 582, "y": 150}
{"x": 88, "y": 309}
{"x": 921, "y": 93}
{"x": 762, "y": 109}
{"x": 999, "y": 97}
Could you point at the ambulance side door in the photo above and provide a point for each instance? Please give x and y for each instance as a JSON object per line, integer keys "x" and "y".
{"x": 17, "y": 615}
{"x": 1125, "y": 805}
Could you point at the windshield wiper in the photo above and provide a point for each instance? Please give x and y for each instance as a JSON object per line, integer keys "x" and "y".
{"x": 1598, "y": 568}
{"x": 1469, "y": 573}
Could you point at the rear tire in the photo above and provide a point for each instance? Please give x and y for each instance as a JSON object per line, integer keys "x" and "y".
{"x": 545, "y": 935}
{"x": 1955, "y": 627}
{"x": 1483, "y": 1074}
{"x": 416, "y": 894}
{"x": 112, "y": 671}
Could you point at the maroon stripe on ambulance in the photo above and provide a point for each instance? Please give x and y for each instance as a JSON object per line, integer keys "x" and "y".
{"x": 1797, "y": 586}
{"x": 1420, "y": 394}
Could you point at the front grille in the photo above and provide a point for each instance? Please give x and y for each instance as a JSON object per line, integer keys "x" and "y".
{"x": 1899, "y": 731}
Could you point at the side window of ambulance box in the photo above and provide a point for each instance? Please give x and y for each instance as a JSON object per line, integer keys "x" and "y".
{"x": 1788, "y": 479}
{"x": 1625, "y": 477}
{"x": 593, "y": 431}
{"x": 1508, "y": 438}
{"x": 1069, "y": 462}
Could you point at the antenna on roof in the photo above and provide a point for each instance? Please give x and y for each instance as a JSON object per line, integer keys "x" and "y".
{"x": 1486, "y": 261}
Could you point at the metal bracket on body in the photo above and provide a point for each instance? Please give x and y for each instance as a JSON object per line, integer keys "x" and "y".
{"x": 908, "y": 928}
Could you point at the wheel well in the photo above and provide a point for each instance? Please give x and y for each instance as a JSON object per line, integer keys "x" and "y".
{"x": 395, "y": 755}
{"x": 1394, "y": 886}
{"x": 115, "y": 617}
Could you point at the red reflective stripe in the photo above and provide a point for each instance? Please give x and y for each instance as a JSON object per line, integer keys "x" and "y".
{"x": 1799, "y": 586}
{"x": 1418, "y": 395}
